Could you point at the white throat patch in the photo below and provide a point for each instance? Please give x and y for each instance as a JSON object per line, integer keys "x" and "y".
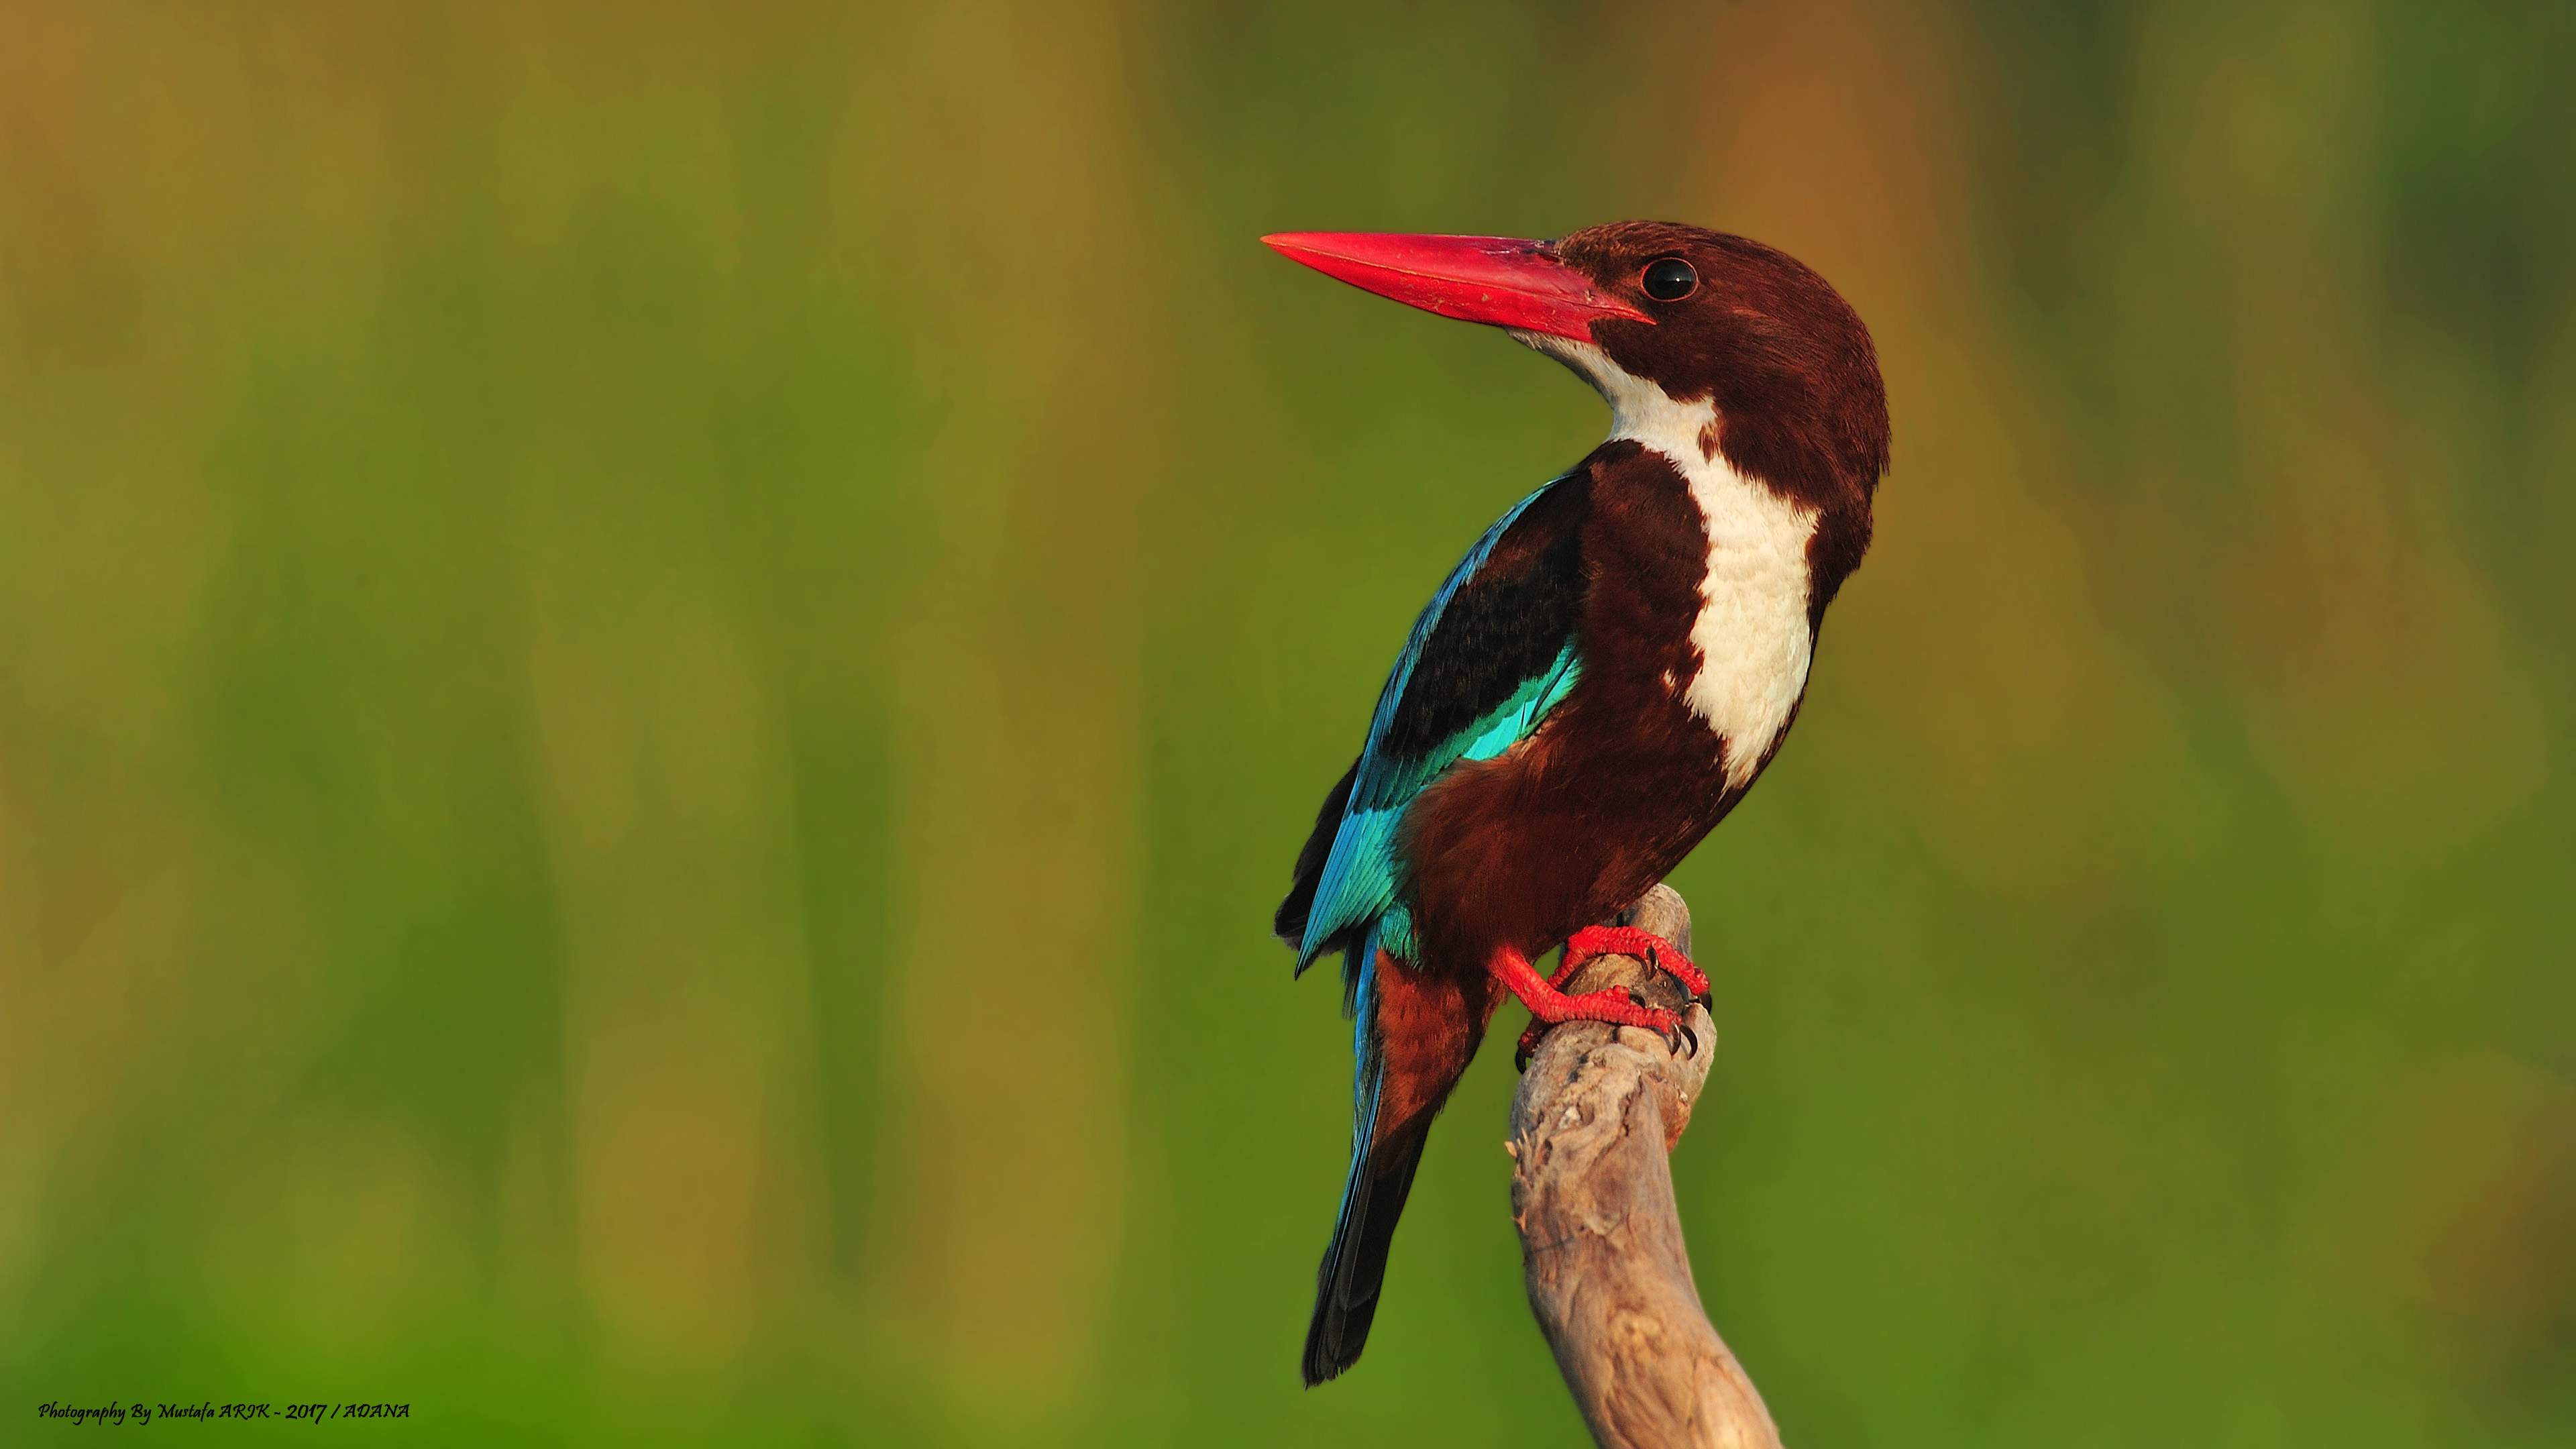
{"x": 1752, "y": 632}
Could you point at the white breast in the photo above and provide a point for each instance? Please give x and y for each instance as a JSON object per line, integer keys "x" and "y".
{"x": 1752, "y": 632}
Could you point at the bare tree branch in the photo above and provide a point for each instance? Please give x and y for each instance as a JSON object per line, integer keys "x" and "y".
{"x": 1592, "y": 1193}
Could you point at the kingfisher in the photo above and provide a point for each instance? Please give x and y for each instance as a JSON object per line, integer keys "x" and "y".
{"x": 1600, "y": 679}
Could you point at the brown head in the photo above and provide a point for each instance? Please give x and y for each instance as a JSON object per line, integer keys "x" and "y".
{"x": 1655, "y": 315}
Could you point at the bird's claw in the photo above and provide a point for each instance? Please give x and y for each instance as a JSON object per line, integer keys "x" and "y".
{"x": 1528, "y": 1045}
{"x": 1657, "y": 953}
{"x": 1677, "y": 1036}
{"x": 1681, "y": 1032}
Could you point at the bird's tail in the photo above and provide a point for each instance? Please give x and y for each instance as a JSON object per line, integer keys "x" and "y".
{"x": 1398, "y": 1086}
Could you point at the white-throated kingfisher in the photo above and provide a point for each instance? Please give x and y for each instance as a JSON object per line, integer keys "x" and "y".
{"x": 1599, "y": 680}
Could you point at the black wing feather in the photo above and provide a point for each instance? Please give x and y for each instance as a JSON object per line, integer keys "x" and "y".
{"x": 1503, "y": 627}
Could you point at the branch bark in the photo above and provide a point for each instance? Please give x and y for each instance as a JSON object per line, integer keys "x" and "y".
{"x": 1597, "y": 1112}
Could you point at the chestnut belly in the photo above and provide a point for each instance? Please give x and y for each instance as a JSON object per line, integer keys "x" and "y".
{"x": 1565, "y": 830}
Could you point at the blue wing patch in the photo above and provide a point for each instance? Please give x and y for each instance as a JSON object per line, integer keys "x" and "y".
{"x": 1361, "y": 877}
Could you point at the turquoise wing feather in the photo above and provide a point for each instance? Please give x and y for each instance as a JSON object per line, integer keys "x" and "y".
{"x": 1485, "y": 663}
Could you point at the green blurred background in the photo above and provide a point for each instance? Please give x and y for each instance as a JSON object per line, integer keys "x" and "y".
{"x": 658, "y": 665}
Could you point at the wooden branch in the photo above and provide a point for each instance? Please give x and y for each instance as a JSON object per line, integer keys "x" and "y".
{"x": 1609, "y": 1279}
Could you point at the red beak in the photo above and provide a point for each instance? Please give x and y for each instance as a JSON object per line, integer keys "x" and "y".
{"x": 1490, "y": 279}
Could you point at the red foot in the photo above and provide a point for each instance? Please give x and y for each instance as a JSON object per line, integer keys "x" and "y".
{"x": 1551, "y": 1006}
{"x": 1654, "y": 950}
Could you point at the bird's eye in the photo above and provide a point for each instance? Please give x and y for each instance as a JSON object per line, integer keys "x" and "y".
{"x": 1669, "y": 279}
